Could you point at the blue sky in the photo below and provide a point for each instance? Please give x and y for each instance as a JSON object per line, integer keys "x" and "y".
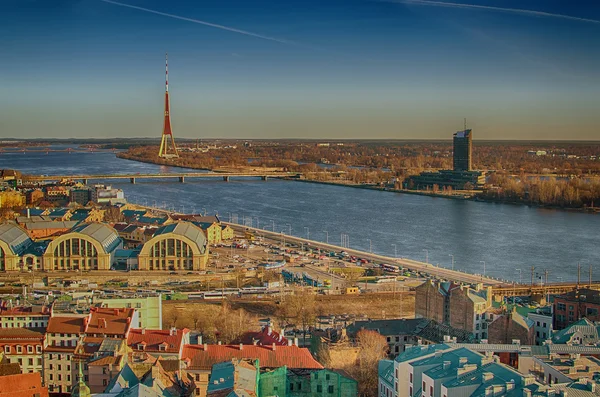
{"x": 331, "y": 69}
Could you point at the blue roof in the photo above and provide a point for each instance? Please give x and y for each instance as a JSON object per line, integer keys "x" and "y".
{"x": 132, "y": 213}
{"x": 16, "y": 238}
{"x": 151, "y": 220}
{"x": 416, "y": 352}
{"x": 225, "y": 371}
{"x": 386, "y": 372}
{"x": 80, "y": 215}
{"x": 123, "y": 253}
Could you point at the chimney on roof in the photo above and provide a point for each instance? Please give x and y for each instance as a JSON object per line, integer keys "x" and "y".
{"x": 219, "y": 343}
{"x": 269, "y": 330}
{"x": 241, "y": 346}
{"x": 173, "y": 331}
{"x": 143, "y": 331}
{"x": 447, "y": 364}
{"x": 199, "y": 339}
{"x": 295, "y": 341}
{"x": 255, "y": 342}
{"x": 28, "y": 213}
{"x": 289, "y": 342}
{"x": 273, "y": 346}
{"x": 116, "y": 311}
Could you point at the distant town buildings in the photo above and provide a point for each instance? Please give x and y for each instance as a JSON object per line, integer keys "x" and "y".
{"x": 461, "y": 177}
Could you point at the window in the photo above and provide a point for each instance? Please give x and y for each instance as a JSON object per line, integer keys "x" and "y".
{"x": 330, "y": 389}
{"x": 389, "y": 339}
{"x": 423, "y": 388}
{"x": 327, "y": 377}
{"x": 410, "y": 393}
{"x": 51, "y": 366}
{"x": 29, "y": 349}
{"x": 476, "y": 316}
{"x": 561, "y": 306}
{"x": 410, "y": 378}
{"x": 397, "y": 339}
{"x": 570, "y": 307}
{"x": 30, "y": 361}
{"x": 538, "y": 323}
{"x": 299, "y": 386}
{"x": 59, "y": 377}
{"x": 104, "y": 382}
{"x": 291, "y": 387}
{"x": 7, "y": 349}
{"x": 50, "y": 377}
{"x": 431, "y": 390}
{"x": 591, "y": 311}
{"x": 316, "y": 375}
{"x": 319, "y": 389}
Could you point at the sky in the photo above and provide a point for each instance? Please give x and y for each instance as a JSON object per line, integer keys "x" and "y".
{"x": 318, "y": 69}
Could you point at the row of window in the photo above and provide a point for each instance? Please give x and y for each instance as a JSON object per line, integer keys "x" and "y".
{"x": 18, "y": 349}
{"x": 24, "y": 325}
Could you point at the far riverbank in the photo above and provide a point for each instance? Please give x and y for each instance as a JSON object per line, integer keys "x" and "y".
{"x": 457, "y": 195}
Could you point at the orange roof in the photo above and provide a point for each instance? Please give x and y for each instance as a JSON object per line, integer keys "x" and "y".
{"x": 19, "y": 333}
{"x": 25, "y": 310}
{"x": 22, "y": 385}
{"x": 291, "y": 356}
{"x": 105, "y": 320}
{"x": 65, "y": 325}
{"x": 154, "y": 338}
{"x": 107, "y": 360}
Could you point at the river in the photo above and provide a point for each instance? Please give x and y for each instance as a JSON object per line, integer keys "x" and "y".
{"x": 505, "y": 237}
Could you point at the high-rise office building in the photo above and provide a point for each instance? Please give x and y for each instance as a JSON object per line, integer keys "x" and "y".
{"x": 462, "y": 150}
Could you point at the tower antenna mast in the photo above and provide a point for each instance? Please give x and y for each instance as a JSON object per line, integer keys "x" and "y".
{"x": 167, "y": 134}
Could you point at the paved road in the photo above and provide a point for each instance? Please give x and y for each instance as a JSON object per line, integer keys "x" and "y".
{"x": 427, "y": 268}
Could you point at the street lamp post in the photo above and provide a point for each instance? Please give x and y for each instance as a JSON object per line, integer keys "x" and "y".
{"x": 483, "y": 267}
{"x": 326, "y": 236}
{"x": 307, "y": 232}
{"x": 257, "y": 222}
{"x": 289, "y": 228}
{"x": 519, "y": 270}
{"x": 395, "y": 251}
{"x": 203, "y": 211}
{"x": 426, "y": 256}
{"x": 452, "y": 256}
{"x": 273, "y": 224}
{"x": 370, "y": 246}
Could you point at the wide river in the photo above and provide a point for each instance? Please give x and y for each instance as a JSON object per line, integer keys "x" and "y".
{"x": 506, "y": 237}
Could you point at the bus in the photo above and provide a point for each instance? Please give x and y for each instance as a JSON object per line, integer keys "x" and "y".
{"x": 390, "y": 268}
{"x": 385, "y": 279}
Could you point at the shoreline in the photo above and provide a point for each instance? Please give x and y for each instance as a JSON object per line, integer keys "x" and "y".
{"x": 595, "y": 210}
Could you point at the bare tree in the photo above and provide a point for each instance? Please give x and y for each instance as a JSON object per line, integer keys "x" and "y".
{"x": 372, "y": 348}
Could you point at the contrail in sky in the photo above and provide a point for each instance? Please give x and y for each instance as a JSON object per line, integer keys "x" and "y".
{"x": 213, "y": 25}
{"x": 492, "y": 8}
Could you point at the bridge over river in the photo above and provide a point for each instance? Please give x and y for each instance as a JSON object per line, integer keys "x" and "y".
{"x": 181, "y": 176}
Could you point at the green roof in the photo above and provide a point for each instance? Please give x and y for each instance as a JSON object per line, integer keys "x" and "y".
{"x": 386, "y": 372}
{"x": 416, "y": 352}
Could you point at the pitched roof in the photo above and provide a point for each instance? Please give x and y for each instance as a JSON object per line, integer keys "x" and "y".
{"x": 266, "y": 336}
{"x": 65, "y": 325}
{"x": 16, "y": 238}
{"x": 19, "y": 333}
{"x": 185, "y": 229}
{"x": 113, "y": 321}
{"x": 388, "y": 327}
{"x": 154, "y": 338}
{"x": 587, "y": 332}
{"x": 205, "y": 356}
{"x": 104, "y": 234}
{"x": 106, "y": 360}
{"x": 416, "y": 352}
{"x": 386, "y": 371}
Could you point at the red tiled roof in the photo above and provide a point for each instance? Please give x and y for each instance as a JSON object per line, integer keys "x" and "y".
{"x": 105, "y": 320}
{"x": 19, "y": 333}
{"x": 290, "y": 356}
{"x": 265, "y": 336}
{"x": 23, "y": 385}
{"x": 65, "y": 325}
{"x": 154, "y": 338}
{"x": 25, "y": 310}
{"x": 107, "y": 360}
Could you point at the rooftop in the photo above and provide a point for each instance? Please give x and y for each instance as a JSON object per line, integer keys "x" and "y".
{"x": 104, "y": 234}
{"x": 582, "y": 295}
{"x": 153, "y": 339}
{"x": 205, "y": 356}
{"x": 109, "y": 321}
{"x": 65, "y": 325}
{"x": 185, "y": 229}
{"x": 582, "y": 332}
{"x": 16, "y": 238}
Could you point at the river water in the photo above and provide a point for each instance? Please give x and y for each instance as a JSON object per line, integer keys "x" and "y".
{"x": 505, "y": 237}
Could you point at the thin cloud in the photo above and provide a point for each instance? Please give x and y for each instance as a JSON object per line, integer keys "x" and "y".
{"x": 492, "y": 8}
{"x": 212, "y": 25}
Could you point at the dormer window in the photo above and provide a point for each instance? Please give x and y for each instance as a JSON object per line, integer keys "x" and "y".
{"x": 7, "y": 349}
{"x": 19, "y": 349}
{"x": 162, "y": 347}
{"x": 29, "y": 349}
{"x": 141, "y": 346}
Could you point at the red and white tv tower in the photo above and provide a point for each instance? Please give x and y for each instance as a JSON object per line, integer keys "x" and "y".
{"x": 167, "y": 134}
